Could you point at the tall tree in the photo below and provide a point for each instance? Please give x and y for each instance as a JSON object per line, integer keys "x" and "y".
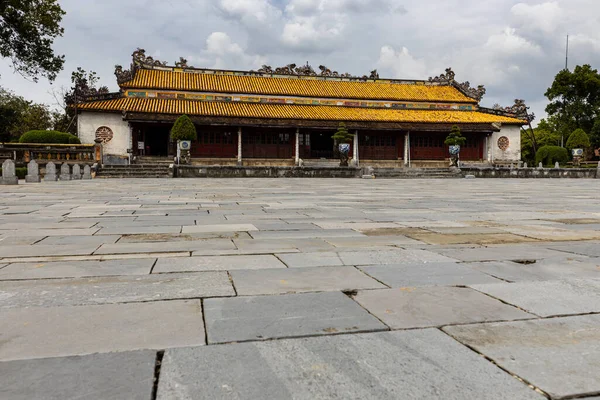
{"x": 18, "y": 116}
{"x": 574, "y": 99}
{"x": 27, "y": 32}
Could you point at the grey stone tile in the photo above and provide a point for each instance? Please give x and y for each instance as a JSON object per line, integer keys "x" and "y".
{"x": 46, "y": 250}
{"x": 559, "y": 355}
{"x": 504, "y": 253}
{"x": 435, "y": 306}
{"x": 306, "y": 234}
{"x": 265, "y": 317}
{"x": 282, "y": 245}
{"x": 120, "y": 289}
{"x": 372, "y": 241}
{"x": 164, "y": 247}
{"x": 65, "y": 331}
{"x": 80, "y": 240}
{"x": 127, "y": 376}
{"x": 53, "y": 232}
{"x": 427, "y": 274}
{"x": 131, "y": 230}
{"x": 549, "y": 298}
{"x": 591, "y": 249}
{"x": 297, "y": 280}
{"x": 322, "y": 259}
{"x": 424, "y": 364}
{"x": 541, "y": 270}
{"x": 395, "y": 256}
{"x": 282, "y": 226}
{"x": 216, "y": 263}
{"x": 19, "y": 240}
{"x": 74, "y": 269}
{"x": 219, "y": 228}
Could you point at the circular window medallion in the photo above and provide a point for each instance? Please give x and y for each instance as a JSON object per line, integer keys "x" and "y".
{"x": 104, "y": 134}
{"x": 503, "y": 143}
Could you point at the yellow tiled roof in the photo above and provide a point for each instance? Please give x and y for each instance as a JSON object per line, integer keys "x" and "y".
{"x": 293, "y": 86}
{"x": 288, "y": 111}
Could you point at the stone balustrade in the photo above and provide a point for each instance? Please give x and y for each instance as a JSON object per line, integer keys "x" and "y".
{"x": 22, "y": 153}
{"x": 67, "y": 173}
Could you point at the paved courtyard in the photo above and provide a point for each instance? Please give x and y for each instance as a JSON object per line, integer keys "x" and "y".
{"x": 300, "y": 289}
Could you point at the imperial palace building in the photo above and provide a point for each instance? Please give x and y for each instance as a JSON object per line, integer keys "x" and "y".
{"x": 287, "y": 115}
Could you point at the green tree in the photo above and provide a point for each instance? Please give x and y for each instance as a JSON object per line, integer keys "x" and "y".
{"x": 455, "y": 138}
{"x": 342, "y": 135}
{"x": 574, "y": 99}
{"x": 183, "y": 129}
{"x": 27, "y": 32}
{"x": 595, "y": 135}
{"x": 578, "y": 140}
{"x": 18, "y": 116}
{"x": 549, "y": 155}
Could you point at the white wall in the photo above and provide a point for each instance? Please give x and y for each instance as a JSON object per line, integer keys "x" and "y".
{"x": 89, "y": 122}
{"x": 513, "y": 152}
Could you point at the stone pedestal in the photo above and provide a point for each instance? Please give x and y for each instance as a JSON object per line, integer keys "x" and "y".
{"x": 50, "y": 173}
{"x": 76, "y": 172}
{"x": 33, "y": 172}
{"x": 9, "y": 175}
{"x": 65, "y": 172}
{"x": 87, "y": 172}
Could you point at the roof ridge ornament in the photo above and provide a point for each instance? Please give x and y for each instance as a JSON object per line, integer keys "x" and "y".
{"x": 449, "y": 78}
{"x": 308, "y": 70}
{"x": 519, "y": 110}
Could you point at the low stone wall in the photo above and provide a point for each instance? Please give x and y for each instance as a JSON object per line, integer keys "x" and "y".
{"x": 532, "y": 172}
{"x": 264, "y": 172}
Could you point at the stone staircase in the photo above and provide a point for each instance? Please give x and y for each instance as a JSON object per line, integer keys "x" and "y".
{"x": 416, "y": 173}
{"x": 321, "y": 163}
{"x": 134, "y": 171}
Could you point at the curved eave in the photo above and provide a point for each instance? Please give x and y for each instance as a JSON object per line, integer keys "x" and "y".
{"x": 292, "y": 112}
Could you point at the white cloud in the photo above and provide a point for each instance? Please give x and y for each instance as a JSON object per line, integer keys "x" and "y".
{"x": 222, "y": 52}
{"x": 544, "y": 17}
{"x": 250, "y": 12}
{"x": 400, "y": 64}
{"x": 509, "y": 42}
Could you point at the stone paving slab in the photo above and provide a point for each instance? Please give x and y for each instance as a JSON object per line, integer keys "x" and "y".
{"x": 306, "y": 234}
{"x": 548, "y": 298}
{"x": 80, "y": 240}
{"x": 371, "y": 241}
{"x": 163, "y": 247}
{"x": 297, "y": 280}
{"x": 51, "y": 232}
{"x": 19, "y": 240}
{"x": 395, "y": 256}
{"x": 216, "y": 263}
{"x": 501, "y": 253}
{"x": 282, "y": 245}
{"x": 64, "y": 331}
{"x": 126, "y": 376}
{"x": 542, "y": 270}
{"x": 108, "y": 290}
{"x": 424, "y": 364}
{"x": 322, "y": 259}
{"x": 591, "y": 249}
{"x": 137, "y": 230}
{"x": 219, "y": 228}
{"x": 560, "y": 355}
{"x": 266, "y": 317}
{"x": 46, "y": 250}
{"x": 435, "y": 306}
{"x": 75, "y": 269}
{"x": 427, "y": 274}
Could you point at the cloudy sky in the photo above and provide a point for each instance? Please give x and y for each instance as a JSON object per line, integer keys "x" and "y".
{"x": 512, "y": 47}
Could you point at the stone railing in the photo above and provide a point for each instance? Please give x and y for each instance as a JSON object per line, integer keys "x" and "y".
{"x": 67, "y": 173}
{"x": 22, "y": 153}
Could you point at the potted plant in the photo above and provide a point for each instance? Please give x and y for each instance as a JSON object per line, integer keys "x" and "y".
{"x": 342, "y": 139}
{"x": 183, "y": 132}
{"x": 454, "y": 140}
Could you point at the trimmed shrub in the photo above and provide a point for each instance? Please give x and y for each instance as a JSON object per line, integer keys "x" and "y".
{"x": 342, "y": 135}
{"x": 455, "y": 138}
{"x": 49, "y": 137}
{"x": 184, "y": 129}
{"x": 20, "y": 172}
{"x": 578, "y": 140}
{"x": 549, "y": 155}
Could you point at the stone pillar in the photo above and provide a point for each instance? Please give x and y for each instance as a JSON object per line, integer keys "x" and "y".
{"x": 355, "y": 158}
{"x": 9, "y": 173}
{"x": 33, "y": 172}
{"x": 98, "y": 151}
{"x": 50, "y": 173}
{"x": 65, "y": 172}
{"x": 406, "y": 148}
{"x": 239, "y": 155}
{"x": 76, "y": 172}
{"x": 87, "y": 172}
{"x": 297, "y": 148}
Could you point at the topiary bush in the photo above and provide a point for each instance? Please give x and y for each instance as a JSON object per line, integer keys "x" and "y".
{"x": 49, "y": 137}
{"x": 549, "y": 155}
{"x": 184, "y": 129}
{"x": 578, "y": 140}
